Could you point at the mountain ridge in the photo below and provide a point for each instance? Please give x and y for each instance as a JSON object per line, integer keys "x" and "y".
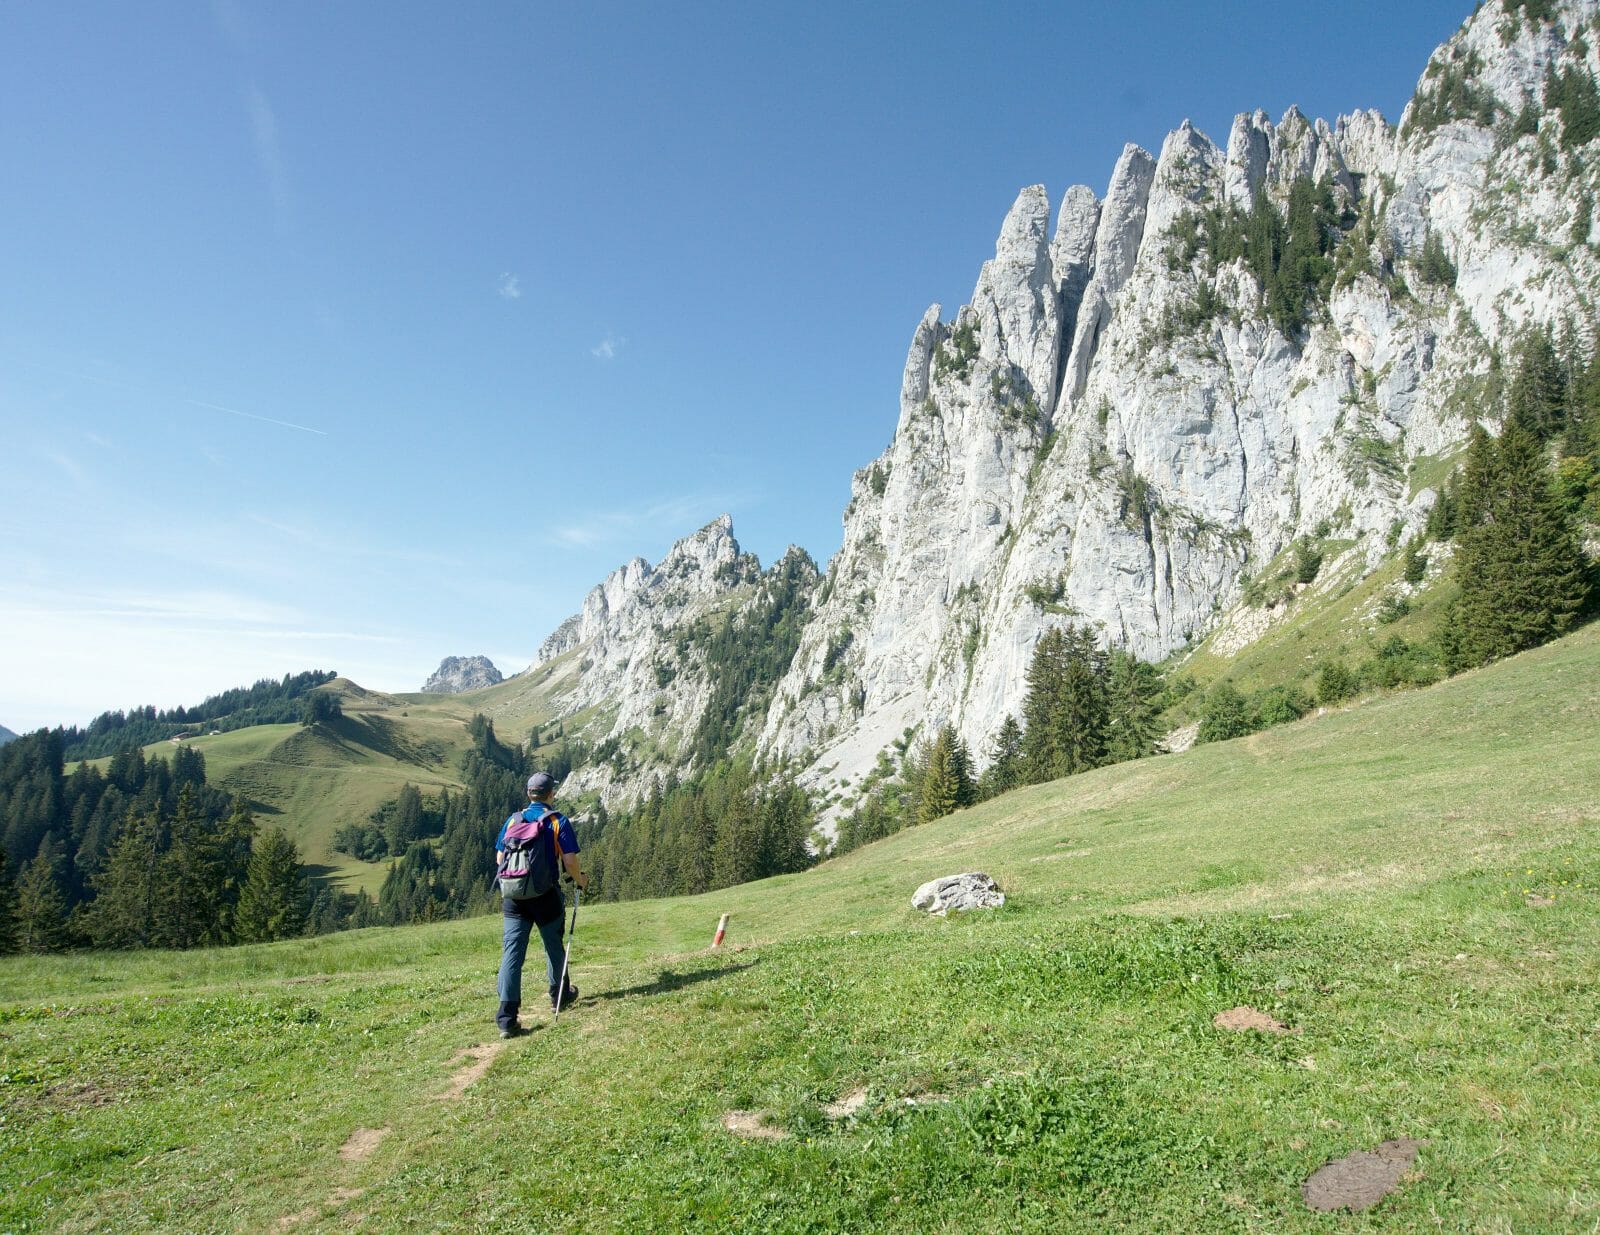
{"x": 1142, "y": 407}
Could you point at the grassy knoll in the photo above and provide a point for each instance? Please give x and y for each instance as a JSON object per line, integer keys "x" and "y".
{"x": 311, "y": 782}
{"x": 1408, "y": 884}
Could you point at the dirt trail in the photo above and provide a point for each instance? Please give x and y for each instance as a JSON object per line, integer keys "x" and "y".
{"x": 470, "y": 1064}
{"x": 482, "y": 1057}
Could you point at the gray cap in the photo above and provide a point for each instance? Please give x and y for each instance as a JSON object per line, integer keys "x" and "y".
{"x": 541, "y": 782}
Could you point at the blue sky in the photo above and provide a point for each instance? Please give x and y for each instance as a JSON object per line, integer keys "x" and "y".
{"x": 356, "y": 335}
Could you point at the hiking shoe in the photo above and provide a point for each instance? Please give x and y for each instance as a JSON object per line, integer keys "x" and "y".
{"x": 567, "y": 998}
{"x": 512, "y": 1031}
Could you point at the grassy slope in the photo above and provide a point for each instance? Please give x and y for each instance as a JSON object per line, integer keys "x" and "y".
{"x": 1369, "y": 877}
{"x": 1335, "y": 621}
{"x": 312, "y": 782}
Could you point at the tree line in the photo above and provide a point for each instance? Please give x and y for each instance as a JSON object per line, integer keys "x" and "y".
{"x": 268, "y": 702}
{"x": 728, "y": 824}
{"x": 146, "y": 854}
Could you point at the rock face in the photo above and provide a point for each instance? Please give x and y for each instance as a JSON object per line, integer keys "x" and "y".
{"x": 973, "y": 890}
{"x": 461, "y": 673}
{"x": 1120, "y": 431}
{"x": 1115, "y": 432}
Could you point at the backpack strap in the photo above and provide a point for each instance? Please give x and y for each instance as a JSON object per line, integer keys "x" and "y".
{"x": 555, "y": 835}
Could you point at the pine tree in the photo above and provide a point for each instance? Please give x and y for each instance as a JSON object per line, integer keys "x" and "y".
{"x": 1537, "y": 398}
{"x": 1519, "y": 567}
{"x": 1131, "y": 689}
{"x": 1006, "y": 762}
{"x": 1080, "y": 712}
{"x": 1415, "y": 561}
{"x": 198, "y": 880}
{"x": 947, "y": 780}
{"x": 1041, "y": 744}
{"x": 8, "y": 909}
{"x": 123, "y": 910}
{"x": 41, "y": 922}
{"x": 272, "y": 904}
{"x": 1476, "y": 481}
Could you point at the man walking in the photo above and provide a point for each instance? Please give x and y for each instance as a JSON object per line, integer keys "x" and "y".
{"x": 555, "y": 847}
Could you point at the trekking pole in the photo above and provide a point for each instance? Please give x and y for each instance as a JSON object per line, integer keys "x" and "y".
{"x": 566, "y": 955}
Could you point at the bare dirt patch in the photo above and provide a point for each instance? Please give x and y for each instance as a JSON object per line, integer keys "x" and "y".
{"x": 843, "y": 1108}
{"x": 336, "y": 1198}
{"x": 1539, "y": 901}
{"x": 75, "y": 1095}
{"x": 1245, "y": 1018}
{"x": 481, "y": 1056}
{"x": 752, "y": 1125}
{"x": 363, "y": 1143}
{"x": 1359, "y": 1180}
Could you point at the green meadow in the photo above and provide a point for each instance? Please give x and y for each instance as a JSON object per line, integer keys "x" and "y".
{"x": 1406, "y": 887}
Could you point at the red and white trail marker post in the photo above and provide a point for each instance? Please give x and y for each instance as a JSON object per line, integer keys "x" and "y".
{"x": 722, "y": 929}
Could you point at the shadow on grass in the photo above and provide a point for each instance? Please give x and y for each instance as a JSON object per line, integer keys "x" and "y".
{"x": 668, "y": 981}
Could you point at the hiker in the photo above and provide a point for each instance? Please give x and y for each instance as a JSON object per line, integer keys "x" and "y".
{"x": 540, "y": 844}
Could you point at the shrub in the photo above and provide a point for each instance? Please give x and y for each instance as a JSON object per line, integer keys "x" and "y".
{"x": 1278, "y": 705}
{"x": 1335, "y": 682}
{"x": 1226, "y": 715}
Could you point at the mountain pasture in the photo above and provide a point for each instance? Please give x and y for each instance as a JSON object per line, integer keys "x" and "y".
{"x": 1406, "y": 887}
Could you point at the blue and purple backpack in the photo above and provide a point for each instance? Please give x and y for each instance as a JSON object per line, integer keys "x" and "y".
{"x": 529, "y": 865}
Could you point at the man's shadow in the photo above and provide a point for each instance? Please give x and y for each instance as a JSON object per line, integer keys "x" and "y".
{"x": 668, "y": 981}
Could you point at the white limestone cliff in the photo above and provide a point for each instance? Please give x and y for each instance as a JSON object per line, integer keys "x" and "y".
{"x": 1114, "y": 432}
{"x": 1181, "y": 449}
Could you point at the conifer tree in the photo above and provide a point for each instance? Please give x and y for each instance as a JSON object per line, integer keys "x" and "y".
{"x": 123, "y": 910}
{"x": 8, "y": 908}
{"x": 1041, "y": 744}
{"x": 1131, "y": 688}
{"x": 1518, "y": 566}
{"x": 1005, "y": 764}
{"x": 947, "y": 780}
{"x": 1415, "y": 562}
{"x": 272, "y": 904}
{"x": 1080, "y": 711}
{"x": 198, "y": 880}
{"x": 41, "y": 922}
{"x": 1476, "y": 481}
{"x": 1537, "y": 398}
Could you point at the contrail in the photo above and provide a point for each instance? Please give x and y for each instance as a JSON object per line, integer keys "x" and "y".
{"x": 121, "y": 385}
{"x": 233, "y": 411}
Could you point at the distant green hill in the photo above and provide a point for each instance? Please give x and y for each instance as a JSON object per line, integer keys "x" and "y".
{"x": 1407, "y": 886}
{"x": 312, "y": 781}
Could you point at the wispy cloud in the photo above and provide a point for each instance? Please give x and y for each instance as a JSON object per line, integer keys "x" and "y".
{"x": 70, "y": 466}
{"x": 608, "y": 347}
{"x": 233, "y": 411}
{"x": 688, "y": 512}
{"x": 269, "y": 152}
{"x": 510, "y": 286}
{"x": 105, "y": 443}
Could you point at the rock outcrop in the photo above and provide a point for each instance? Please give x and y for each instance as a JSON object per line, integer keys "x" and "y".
{"x": 456, "y": 674}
